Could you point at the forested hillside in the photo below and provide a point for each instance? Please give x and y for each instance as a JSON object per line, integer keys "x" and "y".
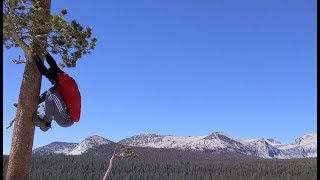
{"x": 168, "y": 164}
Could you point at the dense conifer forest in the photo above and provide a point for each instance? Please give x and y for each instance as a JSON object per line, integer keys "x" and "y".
{"x": 166, "y": 164}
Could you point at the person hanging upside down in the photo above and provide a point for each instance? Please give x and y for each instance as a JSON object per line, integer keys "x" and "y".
{"x": 62, "y": 101}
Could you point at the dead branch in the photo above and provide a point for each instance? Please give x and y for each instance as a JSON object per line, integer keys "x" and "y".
{"x": 110, "y": 164}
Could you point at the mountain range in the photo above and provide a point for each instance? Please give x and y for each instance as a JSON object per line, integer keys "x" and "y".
{"x": 217, "y": 142}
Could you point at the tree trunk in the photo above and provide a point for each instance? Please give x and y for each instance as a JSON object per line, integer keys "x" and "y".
{"x": 19, "y": 163}
{"x": 22, "y": 141}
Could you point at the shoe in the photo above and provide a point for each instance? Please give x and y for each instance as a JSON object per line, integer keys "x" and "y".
{"x": 37, "y": 121}
{"x": 44, "y": 129}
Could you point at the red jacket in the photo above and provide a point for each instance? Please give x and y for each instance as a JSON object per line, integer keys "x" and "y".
{"x": 68, "y": 90}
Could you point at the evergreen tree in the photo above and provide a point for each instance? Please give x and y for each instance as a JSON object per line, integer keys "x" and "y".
{"x": 28, "y": 24}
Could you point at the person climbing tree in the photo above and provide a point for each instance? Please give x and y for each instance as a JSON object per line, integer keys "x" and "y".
{"x": 62, "y": 101}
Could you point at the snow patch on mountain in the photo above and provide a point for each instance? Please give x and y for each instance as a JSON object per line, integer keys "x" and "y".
{"x": 305, "y": 146}
{"x": 72, "y": 148}
{"x": 55, "y": 148}
{"x": 308, "y": 140}
{"x": 273, "y": 142}
{"x": 160, "y": 141}
{"x": 88, "y": 143}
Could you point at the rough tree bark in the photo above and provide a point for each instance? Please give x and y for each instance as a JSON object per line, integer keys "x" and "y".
{"x": 19, "y": 164}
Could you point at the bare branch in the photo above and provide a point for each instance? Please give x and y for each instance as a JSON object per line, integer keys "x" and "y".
{"x": 11, "y": 123}
{"x": 18, "y": 61}
{"x": 110, "y": 164}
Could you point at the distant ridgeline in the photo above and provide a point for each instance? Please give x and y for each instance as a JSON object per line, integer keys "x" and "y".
{"x": 304, "y": 146}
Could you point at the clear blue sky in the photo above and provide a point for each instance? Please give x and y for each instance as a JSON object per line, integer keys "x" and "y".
{"x": 181, "y": 67}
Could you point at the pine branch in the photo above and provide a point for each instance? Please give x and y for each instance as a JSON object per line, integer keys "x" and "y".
{"x": 16, "y": 37}
{"x": 20, "y": 42}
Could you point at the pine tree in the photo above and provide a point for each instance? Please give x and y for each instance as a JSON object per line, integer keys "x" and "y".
{"x": 28, "y": 24}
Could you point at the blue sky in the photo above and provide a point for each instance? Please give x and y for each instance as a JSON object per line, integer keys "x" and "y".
{"x": 246, "y": 68}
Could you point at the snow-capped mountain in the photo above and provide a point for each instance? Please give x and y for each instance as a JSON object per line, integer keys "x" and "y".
{"x": 72, "y": 148}
{"x": 89, "y": 143}
{"x": 308, "y": 140}
{"x": 304, "y": 146}
{"x": 55, "y": 148}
